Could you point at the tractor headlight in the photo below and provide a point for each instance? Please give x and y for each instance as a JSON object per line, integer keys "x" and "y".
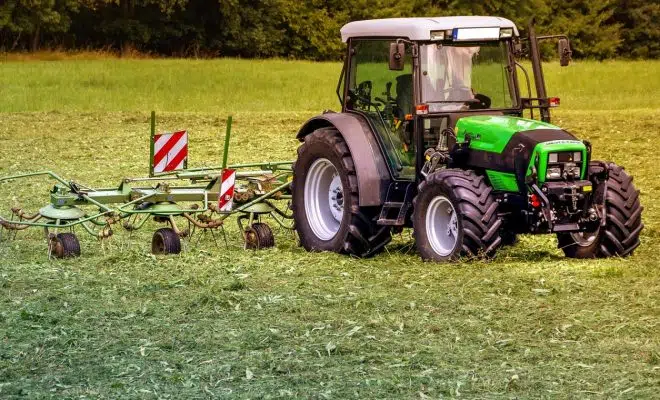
{"x": 553, "y": 173}
{"x": 564, "y": 165}
{"x": 437, "y": 35}
{"x": 571, "y": 171}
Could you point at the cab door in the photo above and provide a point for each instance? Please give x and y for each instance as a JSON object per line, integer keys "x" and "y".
{"x": 385, "y": 97}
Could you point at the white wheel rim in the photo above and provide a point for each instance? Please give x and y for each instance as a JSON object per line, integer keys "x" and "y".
{"x": 442, "y": 226}
{"x": 324, "y": 199}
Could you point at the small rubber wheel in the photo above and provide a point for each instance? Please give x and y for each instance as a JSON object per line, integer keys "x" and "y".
{"x": 64, "y": 245}
{"x": 165, "y": 241}
{"x": 259, "y": 236}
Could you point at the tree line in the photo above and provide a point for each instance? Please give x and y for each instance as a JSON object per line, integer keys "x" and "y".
{"x": 303, "y": 29}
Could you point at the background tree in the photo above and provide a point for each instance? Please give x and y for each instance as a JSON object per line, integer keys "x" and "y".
{"x": 306, "y": 29}
{"x": 33, "y": 18}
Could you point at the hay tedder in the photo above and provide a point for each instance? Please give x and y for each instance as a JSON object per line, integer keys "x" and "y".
{"x": 181, "y": 198}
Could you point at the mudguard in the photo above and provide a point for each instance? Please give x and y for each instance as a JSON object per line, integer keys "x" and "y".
{"x": 372, "y": 173}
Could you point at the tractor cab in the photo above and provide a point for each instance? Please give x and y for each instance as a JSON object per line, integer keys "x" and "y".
{"x": 414, "y": 78}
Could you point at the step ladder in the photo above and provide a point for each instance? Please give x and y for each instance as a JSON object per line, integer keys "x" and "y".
{"x": 397, "y": 203}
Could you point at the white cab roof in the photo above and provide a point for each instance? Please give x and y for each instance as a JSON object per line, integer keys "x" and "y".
{"x": 419, "y": 28}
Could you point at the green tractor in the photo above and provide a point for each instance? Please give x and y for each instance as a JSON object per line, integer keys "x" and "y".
{"x": 431, "y": 135}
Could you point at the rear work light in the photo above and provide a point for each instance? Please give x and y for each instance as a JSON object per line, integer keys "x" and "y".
{"x": 506, "y": 33}
{"x": 553, "y": 102}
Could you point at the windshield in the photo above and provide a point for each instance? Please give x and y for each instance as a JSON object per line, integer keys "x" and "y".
{"x": 466, "y": 77}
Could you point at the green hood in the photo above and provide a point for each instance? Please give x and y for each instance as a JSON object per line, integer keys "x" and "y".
{"x": 503, "y": 134}
{"x": 493, "y": 132}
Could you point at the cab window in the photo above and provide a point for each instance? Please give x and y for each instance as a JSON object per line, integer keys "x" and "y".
{"x": 385, "y": 97}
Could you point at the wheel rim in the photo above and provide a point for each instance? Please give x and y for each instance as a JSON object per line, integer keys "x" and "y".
{"x": 584, "y": 239}
{"x": 56, "y": 247}
{"x": 324, "y": 199}
{"x": 442, "y": 225}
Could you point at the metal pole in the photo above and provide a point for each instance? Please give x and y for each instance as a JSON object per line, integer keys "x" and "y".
{"x": 539, "y": 80}
{"x": 225, "y": 156}
{"x": 151, "y": 143}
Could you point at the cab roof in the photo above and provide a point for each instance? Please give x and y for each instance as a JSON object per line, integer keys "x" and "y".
{"x": 419, "y": 28}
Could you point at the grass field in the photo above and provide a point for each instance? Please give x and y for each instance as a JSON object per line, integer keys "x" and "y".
{"x": 219, "y": 322}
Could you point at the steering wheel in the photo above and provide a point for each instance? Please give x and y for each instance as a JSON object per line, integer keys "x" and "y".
{"x": 480, "y": 102}
{"x": 362, "y": 93}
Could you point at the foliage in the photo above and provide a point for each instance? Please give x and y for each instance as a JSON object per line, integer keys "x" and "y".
{"x": 306, "y": 29}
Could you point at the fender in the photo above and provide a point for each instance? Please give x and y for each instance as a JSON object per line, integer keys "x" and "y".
{"x": 372, "y": 174}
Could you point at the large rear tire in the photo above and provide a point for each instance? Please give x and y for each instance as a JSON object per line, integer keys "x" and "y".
{"x": 455, "y": 215}
{"x": 326, "y": 207}
{"x": 620, "y": 235}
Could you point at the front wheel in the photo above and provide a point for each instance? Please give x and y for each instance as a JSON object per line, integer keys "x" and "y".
{"x": 623, "y": 212}
{"x": 455, "y": 215}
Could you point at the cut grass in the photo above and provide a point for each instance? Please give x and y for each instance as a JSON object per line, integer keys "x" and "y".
{"x": 217, "y": 322}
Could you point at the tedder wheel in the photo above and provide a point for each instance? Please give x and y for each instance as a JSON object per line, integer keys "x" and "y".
{"x": 165, "y": 241}
{"x": 64, "y": 245}
{"x": 259, "y": 236}
{"x": 620, "y": 235}
{"x": 325, "y": 199}
{"x": 455, "y": 215}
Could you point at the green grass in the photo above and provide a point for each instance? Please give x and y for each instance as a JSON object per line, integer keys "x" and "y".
{"x": 225, "y": 85}
{"x": 221, "y": 322}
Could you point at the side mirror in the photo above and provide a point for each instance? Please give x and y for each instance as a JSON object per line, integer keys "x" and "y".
{"x": 564, "y": 52}
{"x": 397, "y": 55}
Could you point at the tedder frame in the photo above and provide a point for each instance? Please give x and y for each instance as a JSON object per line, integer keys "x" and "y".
{"x": 203, "y": 198}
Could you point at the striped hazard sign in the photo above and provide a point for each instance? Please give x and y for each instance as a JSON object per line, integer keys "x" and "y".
{"x": 226, "y": 195}
{"x": 170, "y": 151}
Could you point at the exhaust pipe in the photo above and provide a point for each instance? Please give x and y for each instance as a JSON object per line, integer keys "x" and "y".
{"x": 537, "y": 68}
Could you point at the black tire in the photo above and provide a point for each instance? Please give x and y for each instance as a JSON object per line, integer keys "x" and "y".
{"x": 620, "y": 235}
{"x": 259, "y": 236}
{"x": 165, "y": 241}
{"x": 358, "y": 233}
{"x": 64, "y": 245}
{"x": 478, "y": 231}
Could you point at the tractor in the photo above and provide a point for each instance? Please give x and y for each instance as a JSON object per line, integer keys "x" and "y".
{"x": 432, "y": 136}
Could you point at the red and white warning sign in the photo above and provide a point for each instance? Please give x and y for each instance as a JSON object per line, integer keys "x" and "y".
{"x": 226, "y": 197}
{"x": 170, "y": 151}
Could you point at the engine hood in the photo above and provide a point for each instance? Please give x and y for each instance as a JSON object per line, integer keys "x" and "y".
{"x": 495, "y": 141}
{"x": 493, "y": 133}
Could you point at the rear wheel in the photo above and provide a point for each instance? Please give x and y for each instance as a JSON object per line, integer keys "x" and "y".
{"x": 455, "y": 215}
{"x": 326, "y": 208}
{"x": 620, "y": 235}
